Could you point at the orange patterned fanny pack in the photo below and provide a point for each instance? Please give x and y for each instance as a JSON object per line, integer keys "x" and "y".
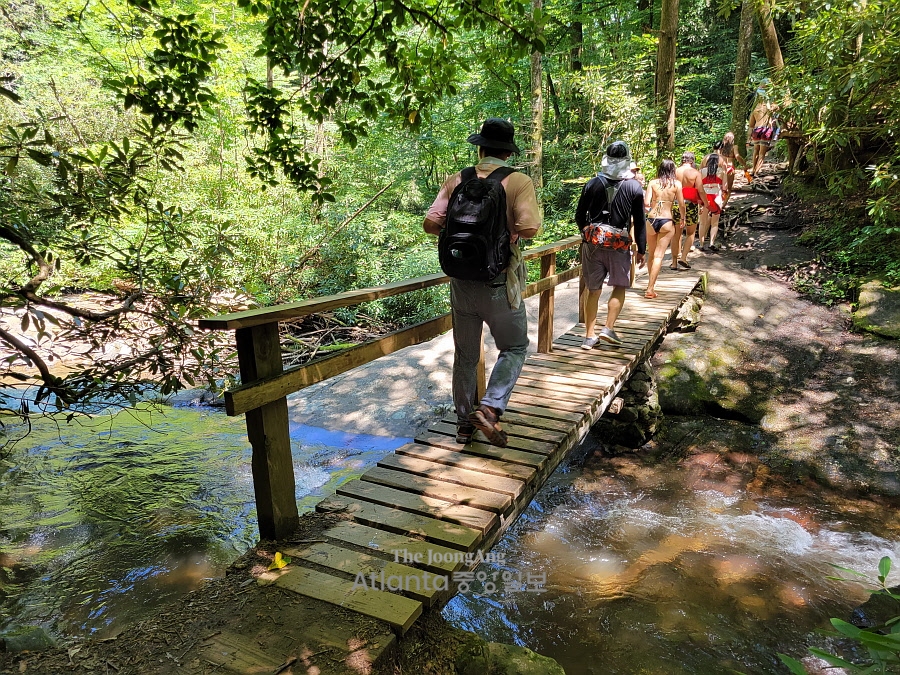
{"x": 607, "y": 236}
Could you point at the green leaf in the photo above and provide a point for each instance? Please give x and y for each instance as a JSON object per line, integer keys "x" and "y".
{"x": 884, "y": 568}
{"x": 793, "y": 664}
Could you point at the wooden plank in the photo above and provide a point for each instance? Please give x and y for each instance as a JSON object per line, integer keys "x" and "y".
{"x": 571, "y": 362}
{"x": 520, "y": 404}
{"x": 485, "y": 465}
{"x": 293, "y": 310}
{"x": 560, "y": 401}
{"x": 526, "y": 421}
{"x": 517, "y": 439}
{"x": 571, "y": 378}
{"x": 453, "y": 474}
{"x": 558, "y": 383}
{"x": 381, "y": 542}
{"x": 259, "y": 356}
{"x": 382, "y": 517}
{"x": 512, "y": 455}
{"x": 239, "y": 654}
{"x": 533, "y": 421}
{"x": 608, "y": 354}
{"x": 354, "y": 563}
{"x": 258, "y": 391}
{"x": 424, "y": 505}
{"x": 395, "y": 610}
{"x": 629, "y": 342}
{"x": 431, "y": 488}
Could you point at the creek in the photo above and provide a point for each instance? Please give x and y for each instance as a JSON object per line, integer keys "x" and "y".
{"x": 696, "y": 563}
{"x": 105, "y": 519}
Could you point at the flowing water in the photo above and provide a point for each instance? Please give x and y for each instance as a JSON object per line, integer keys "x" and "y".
{"x": 696, "y": 566}
{"x": 705, "y": 564}
{"x": 103, "y": 520}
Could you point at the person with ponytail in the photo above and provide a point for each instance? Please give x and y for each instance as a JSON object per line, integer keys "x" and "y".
{"x": 662, "y": 192}
{"x": 713, "y": 177}
{"x": 762, "y": 127}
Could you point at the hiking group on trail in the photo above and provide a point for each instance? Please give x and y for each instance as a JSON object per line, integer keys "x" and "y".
{"x": 481, "y": 213}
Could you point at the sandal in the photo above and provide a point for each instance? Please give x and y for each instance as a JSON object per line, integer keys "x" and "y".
{"x": 488, "y": 422}
{"x": 464, "y": 433}
{"x": 651, "y": 294}
{"x": 674, "y": 269}
{"x": 683, "y": 264}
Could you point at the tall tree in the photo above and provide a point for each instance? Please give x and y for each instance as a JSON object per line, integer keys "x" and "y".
{"x": 769, "y": 36}
{"x": 665, "y": 76}
{"x": 742, "y": 74}
{"x": 537, "y": 110}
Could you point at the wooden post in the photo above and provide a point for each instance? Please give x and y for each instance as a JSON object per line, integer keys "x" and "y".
{"x": 545, "y": 309}
{"x": 259, "y": 356}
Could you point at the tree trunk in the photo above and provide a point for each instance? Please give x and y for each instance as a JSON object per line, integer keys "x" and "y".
{"x": 665, "y": 76}
{"x": 576, "y": 35}
{"x": 741, "y": 76}
{"x": 537, "y": 117}
{"x": 769, "y": 36}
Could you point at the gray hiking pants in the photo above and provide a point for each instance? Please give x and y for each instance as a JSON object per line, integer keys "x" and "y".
{"x": 475, "y": 303}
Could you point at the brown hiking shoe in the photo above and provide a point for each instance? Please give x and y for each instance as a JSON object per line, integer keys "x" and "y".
{"x": 488, "y": 422}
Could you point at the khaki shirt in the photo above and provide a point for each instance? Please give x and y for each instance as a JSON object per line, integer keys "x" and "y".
{"x": 522, "y": 211}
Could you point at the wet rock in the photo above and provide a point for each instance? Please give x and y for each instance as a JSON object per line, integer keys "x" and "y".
{"x": 688, "y": 317}
{"x": 877, "y": 610}
{"x": 195, "y": 398}
{"x": 479, "y": 658}
{"x": 878, "y": 310}
{"x": 639, "y": 417}
{"x": 26, "y": 639}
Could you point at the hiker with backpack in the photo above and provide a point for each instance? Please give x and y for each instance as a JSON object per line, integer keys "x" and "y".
{"x": 479, "y": 215}
{"x": 608, "y": 204}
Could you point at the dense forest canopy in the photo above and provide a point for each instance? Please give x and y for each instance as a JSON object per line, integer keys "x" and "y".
{"x": 187, "y": 158}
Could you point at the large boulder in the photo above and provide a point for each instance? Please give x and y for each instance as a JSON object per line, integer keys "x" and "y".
{"x": 878, "y": 309}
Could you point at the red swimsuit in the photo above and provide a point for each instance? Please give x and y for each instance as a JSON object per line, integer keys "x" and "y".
{"x": 712, "y": 185}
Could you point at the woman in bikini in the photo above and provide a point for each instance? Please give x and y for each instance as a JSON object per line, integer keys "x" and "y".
{"x": 661, "y": 193}
{"x": 713, "y": 177}
{"x": 761, "y": 127}
{"x": 728, "y": 155}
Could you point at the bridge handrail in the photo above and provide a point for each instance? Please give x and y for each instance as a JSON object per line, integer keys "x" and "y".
{"x": 295, "y": 310}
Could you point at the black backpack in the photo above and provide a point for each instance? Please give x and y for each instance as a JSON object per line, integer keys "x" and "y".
{"x": 605, "y": 215}
{"x": 474, "y": 244}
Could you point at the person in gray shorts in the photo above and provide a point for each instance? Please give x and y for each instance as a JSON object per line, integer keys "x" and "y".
{"x": 497, "y": 302}
{"x": 596, "y": 262}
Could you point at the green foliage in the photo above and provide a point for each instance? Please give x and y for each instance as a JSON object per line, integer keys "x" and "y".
{"x": 845, "y": 95}
{"x": 881, "y": 643}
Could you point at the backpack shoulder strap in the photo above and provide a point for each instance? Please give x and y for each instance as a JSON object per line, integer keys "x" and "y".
{"x": 467, "y": 174}
{"x": 500, "y": 173}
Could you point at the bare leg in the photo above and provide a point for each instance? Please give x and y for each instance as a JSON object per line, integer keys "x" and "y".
{"x": 688, "y": 241}
{"x": 714, "y": 229}
{"x": 663, "y": 240}
{"x": 652, "y": 240}
{"x": 614, "y": 306}
{"x": 591, "y": 300}
{"x": 676, "y": 244}
{"x": 704, "y": 226}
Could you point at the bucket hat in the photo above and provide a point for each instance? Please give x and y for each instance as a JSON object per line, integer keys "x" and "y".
{"x": 496, "y": 132}
{"x": 617, "y": 162}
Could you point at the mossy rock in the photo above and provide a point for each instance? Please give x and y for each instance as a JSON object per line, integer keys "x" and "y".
{"x": 878, "y": 309}
{"x": 26, "y": 639}
{"x": 494, "y": 658}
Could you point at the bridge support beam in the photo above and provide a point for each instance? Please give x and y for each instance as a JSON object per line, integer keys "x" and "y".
{"x": 259, "y": 356}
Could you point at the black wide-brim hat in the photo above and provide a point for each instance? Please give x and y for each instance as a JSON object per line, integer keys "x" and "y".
{"x": 496, "y": 133}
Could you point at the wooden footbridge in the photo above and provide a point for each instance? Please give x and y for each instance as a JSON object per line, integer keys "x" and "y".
{"x": 412, "y": 519}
